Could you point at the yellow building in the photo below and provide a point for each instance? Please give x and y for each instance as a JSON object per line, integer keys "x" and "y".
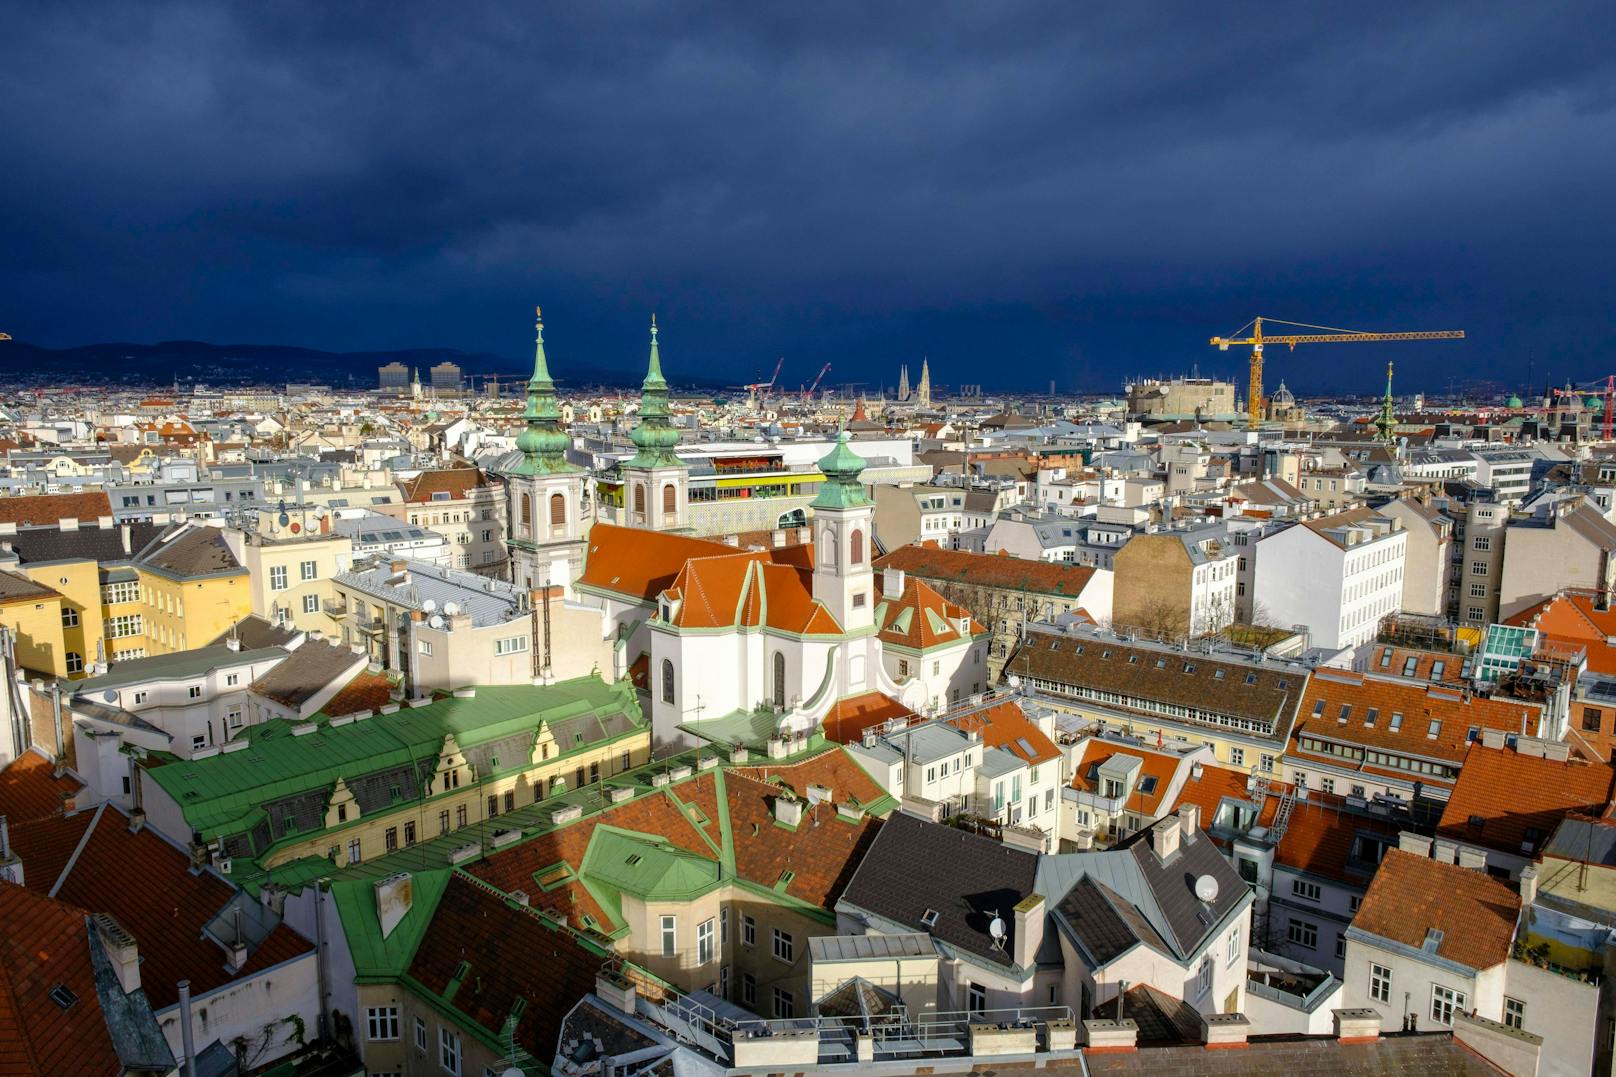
{"x": 34, "y": 614}
{"x": 192, "y": 589}
{"x": 291, "y": 566}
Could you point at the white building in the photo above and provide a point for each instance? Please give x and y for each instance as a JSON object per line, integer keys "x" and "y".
{"x": 1338, "y": 575}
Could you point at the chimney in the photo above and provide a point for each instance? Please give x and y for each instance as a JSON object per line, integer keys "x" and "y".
{"x": 1357, "y": 1026}
{"x": 1528, "y": 884}
{"x": 1164, "y": 835}
{"x": 400, "y": 566}
{"x": 124, "y": 532}
{"x": 394, "y": 897}
{"x": 121, "y": 949}
{"x": 10, "y": 863}
{"x": 1189, "y": 821}
{"x": 1418, "y": 844}
{"x": 787, "y": 809}
{"x": 1029, "y": 930}
{"x": 892, "y": 581}
{"x": 777, "y": 538}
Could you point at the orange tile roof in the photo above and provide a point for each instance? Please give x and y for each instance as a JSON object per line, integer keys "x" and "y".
{"x": 1159, "y": 765}
{"x": 1004, "y": 725}
{"x": 1319, "y": 837}
{"x": 46, "y": 943}
{"x": 1501, "y": 793}
{"x": 989, "y": 570}
{"x": 1215, "y": 783}
{"x": 1572, "y": 618}
{"x": 28, "y": 789}
{"x": 640, "y": 564}
{"x": 1411, "y": 895}
{"x": 741, "y": 589}
{"x": 1419, "y": 703}
{"x": 50, "y": 509}
{"x": 849, "y": 718}
{"x": 1391, "y": 660}
{"x": 367, "y": 691}
{"x": 932, "y": 620}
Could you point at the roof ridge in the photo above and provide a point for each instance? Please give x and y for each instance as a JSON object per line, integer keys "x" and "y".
{"x": 84, "y": 839}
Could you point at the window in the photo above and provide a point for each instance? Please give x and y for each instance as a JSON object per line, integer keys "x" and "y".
{"x": 1434, "y": 729}
{"x": 1444, "y": 1000}
{"x": 723, "y": 927}
{"x": 420, "y": 1034}
{"x": 1233, "y": 956}
{"x": 1481, "y": 542}
{"x": 667, "y": 680}
{"x": 443, "y": 822}
{"x": 128, "y": 624}
{"x": 1397, "y": 721}
{"x": 1514, "y": 1013}
{"x": 449, "y": 1051}
{"x": 1380, "y": 983}
{"x": 311, "y": 603}
{"x": 976, "y": 998}
{"x": 70, "y": 617}
{"x": 390, "y": 839}
{"x": 1303, "y": 934}
{"x": 141, "y": 697}
{"x": 1478, "y": 590}
{"x": 1305, "y": 890}
{"x": 1237, "y": 756}
{"x": 409, "y": 833}
{"x": 513, "y": 645}
{"x": 308, "y": 570}
{"x": 460, "y": 817}
{"x": 748, "y": 930}
{"x": 704, "y": 942}
{"x": 1478, "y": 568}
{"x": 425, "y": 647}
{"x": 354, "y": 850}
{"x": 1340, "y": 947}
{"x": 1203, "y": 982}
{"x": 558, "y": 510}
{"x": 748, "y": 989}
{"x": 670, "y": 936}
{"x": 1591, "y": 718}
{"x": 784, "y": 1003}
{"x": 75, "y": 662}
{"x": 785, "y": 948}
{"x": 855, "y": 548}
{"x": 381, "y": 1023}
{"x": 277, "y": 578}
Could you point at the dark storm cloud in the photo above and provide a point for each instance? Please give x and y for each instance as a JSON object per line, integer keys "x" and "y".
{"x": 1021, "y": 191}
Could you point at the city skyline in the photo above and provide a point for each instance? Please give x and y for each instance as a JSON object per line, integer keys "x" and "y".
{"x": 1063, "y": 196}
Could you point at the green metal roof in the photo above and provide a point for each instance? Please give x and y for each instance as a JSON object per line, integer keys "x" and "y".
{"x": 375, "y": 957}
{"x": 222, "y": 793}
{"x": 647, "y": 866}
{"x": 176, "y": 666}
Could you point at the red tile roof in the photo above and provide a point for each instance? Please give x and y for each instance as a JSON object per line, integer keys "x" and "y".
{"x": 47, "y": 943}
{"x": 1573, "y": 618}
{"x": 167, "y": 913}
{"x": 847, "y": 720}
{"x": 1440, "y": 666}
{"x": 50, "y": 509}
{"x": 1411, "y": 895}
{"x": 502, "y": 947}
{"x": 921, "y": 618}
{"x": 367, "y": 691}
{"x": 1319, "y": 839}
{"x": 641, "y": 564}
{"x": 1004, "y": 725}
{"x": 1159, "y": 765}
{"x": 29, "y": 791}
{"x": 457, "y": 482}
{"x": 989, "y": 570}
{"x": 1501, "y": 793}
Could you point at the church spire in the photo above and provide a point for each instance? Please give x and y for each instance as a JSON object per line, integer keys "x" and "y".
{"x": 1386, "y": 422}
{"x": 654, "y": 438}
{"x": 543, "y": 444}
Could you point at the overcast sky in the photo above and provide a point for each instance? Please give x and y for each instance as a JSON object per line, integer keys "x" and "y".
{"x": 1075, "y": 191}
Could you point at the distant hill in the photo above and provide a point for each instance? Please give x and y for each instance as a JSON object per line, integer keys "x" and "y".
{"x": 249, "y": 364}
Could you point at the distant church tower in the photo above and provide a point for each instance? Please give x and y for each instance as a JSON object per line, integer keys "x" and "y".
{"x": 550, "y": 509}
{"x": 842, "y": 525}
{"x": 1386, "y": 421}
{"x": 923, "y": 394}
{"x": 656, "y": 484}
{"x": 903, "y": 383}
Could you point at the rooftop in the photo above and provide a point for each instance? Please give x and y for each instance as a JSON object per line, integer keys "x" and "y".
{"x": 1455, "y": 913}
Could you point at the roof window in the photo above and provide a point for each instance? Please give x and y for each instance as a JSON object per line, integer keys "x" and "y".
{"x": 63, "y": 996}
{"x": 928, "y": 919}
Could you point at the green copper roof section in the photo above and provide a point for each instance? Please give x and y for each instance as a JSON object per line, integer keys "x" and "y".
{"x": 654, "y": 438}
{"x": 224, "y": 794}
{"x": 543, "y": 444}
{"x": 375, "y": 957}
{"x": 647, "y": 866}
{"x": 841, "y": 488}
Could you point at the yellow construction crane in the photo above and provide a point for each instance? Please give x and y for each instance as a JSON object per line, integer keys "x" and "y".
{"x": 1254, "y": 395}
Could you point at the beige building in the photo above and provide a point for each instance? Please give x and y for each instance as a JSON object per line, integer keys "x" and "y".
{"x": 465, "y": 506}
{"x": 1333, "y": 488}
{"x": 1568, "y": 544}
{"x": 292, "y": 571}
{"x": 1175, "y": 583}
{"x": 1182, "y": 398}
{"x": 1427, "y": 557}
{"x": 1479, "y": 562}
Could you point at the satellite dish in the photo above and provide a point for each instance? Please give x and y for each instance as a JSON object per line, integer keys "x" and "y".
{"x": 451, "y": 608}
{"x": 110, "y": 696}
{"x": 429, "y": 605}
{"x": 435, "y": 621}
{"x": 996, "y": 928}
{"x": 1206, "y": 889}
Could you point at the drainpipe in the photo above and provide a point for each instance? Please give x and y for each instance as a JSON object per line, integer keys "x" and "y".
{"x": 186, "y": 1036}
{"x": 56, "y": 722}
{"x": 321, "y": 989}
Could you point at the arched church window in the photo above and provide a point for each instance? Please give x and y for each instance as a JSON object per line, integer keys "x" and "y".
{"x": 639, "y": 499}
{"x": 855, "y": 547}
{"x": 827, "y": 547}
{"x": 558, "y": 510}
{"x": 667, "y": 680}
{"x": 670, "y": 499}
{"x": 527, "y": 513}
{"x": 779, "y": 678}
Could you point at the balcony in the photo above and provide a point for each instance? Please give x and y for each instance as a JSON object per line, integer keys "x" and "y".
{"x": 335, "y": 607}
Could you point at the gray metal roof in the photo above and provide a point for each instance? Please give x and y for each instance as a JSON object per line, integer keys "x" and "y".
{"x": 864, "y": 947}
{"x": 488, "y": 601}
{"x": 173, "y": 667}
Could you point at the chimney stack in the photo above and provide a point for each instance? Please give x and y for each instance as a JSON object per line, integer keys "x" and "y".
{"x": 1528, "y": 884}
{"x": 10, "y": 863}
{"x": 121, "y": 949}
{"x": 1029, "y": 930}
{"x": 1164, "y": 837}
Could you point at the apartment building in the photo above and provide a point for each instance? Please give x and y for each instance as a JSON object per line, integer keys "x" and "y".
{"x": 1507, "y": 472}
{"x": 1241, "y": 707}
{"x": 1338, "y": 575}
{"x": 291, "y": 565}
{"x": 1333, "y": 488}
{"x": 1176, "y": 583}
{"x": 922, "y": 512}
{"x": 465, "y": 505}
{"x": 1427, "y": 555}
{"x": 1563, "y": 545}
{"x": 1478, "y": 562}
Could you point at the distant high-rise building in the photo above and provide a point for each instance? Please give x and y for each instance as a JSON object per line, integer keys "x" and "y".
{"x": 393, "y": 376}
{"x": 903, "y": 382}
{"x": 446, "y": 375}
{"x": 923, "y": 393}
